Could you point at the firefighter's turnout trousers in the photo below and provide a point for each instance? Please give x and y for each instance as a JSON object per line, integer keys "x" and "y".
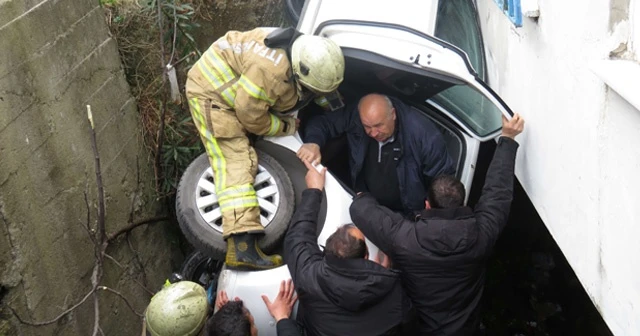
{"x": 231, "y": 90}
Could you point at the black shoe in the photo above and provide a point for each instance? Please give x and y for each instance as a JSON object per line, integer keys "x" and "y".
{"x": 244, "y": 253}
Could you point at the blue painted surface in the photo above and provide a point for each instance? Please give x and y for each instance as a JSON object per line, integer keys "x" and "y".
{"x": 512, "y": 10}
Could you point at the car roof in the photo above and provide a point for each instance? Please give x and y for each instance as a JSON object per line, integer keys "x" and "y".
{"x": 417, "y": 14}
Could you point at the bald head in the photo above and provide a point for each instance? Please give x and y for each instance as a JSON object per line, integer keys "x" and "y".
{"x": 378, "y": 116}
{"x": 375, "y": 103}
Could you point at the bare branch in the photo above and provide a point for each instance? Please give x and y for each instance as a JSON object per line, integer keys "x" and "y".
{"x": 100, "y": 239}
{"x": 114, "y": 260}
{"x": 64, "y": 304}
{"x": 88, "y": 223}
{"x": 122, "y": 297}
{"x": 143, "y": 286}
{"x": 96, "y": 276}
{"x": 55, "y": 319}
{"x": 144, "y": 327}
{"x": 138, "y": 260}
{"x": 151, "y": 293}
{"x": 96, "y": 313}
{"x": 134, "y": 225}
{"x": 100, "y": 234}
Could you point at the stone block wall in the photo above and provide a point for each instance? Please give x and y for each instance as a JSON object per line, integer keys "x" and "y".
{"x": 57, "y": 57}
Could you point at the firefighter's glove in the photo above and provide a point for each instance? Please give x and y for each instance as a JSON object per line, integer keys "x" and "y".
{"x": 289, "y": 126}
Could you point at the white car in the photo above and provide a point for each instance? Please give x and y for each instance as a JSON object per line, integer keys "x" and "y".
{"x": 427, "y": 53}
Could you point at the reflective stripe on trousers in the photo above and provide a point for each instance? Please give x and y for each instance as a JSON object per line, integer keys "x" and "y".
{"x": 234, "y": 164}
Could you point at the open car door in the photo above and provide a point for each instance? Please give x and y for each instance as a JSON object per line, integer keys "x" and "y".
{"x": 454, "y": 88}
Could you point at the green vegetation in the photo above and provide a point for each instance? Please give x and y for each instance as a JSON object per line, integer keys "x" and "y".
{"x": 151, "y": 35}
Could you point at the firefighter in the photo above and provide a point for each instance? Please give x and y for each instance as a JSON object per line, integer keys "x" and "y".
{"x": 179, "y": 309}
{"x": 243, "y": 84}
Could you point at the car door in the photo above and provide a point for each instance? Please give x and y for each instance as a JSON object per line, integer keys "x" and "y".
{"x": 463, "y": 95}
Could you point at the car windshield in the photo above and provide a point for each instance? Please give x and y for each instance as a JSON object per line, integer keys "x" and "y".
{"x": 457, "y": 24}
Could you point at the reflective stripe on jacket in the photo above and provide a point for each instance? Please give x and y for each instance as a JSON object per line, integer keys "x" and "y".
{"x": 238, "y": 72}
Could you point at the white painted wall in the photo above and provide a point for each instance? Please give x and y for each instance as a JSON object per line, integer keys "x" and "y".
{"x": 579, "y": 159}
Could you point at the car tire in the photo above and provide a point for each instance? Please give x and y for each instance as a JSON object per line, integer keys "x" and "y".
{"x": 207, "y": 236}
{"x": 200, "y": 268}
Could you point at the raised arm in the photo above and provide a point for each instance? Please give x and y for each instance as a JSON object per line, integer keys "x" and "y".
{"x": 301, "y": 249}
{"x": 378, "y": 223}
{"x": 492, "y": 210}
{"x": 300, "y": 245}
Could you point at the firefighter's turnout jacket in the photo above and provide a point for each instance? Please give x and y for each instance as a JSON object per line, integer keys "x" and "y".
{"x": 233, "y": 89}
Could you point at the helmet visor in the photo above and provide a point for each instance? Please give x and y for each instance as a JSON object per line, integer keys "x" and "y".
{"x": 334, "y": 100}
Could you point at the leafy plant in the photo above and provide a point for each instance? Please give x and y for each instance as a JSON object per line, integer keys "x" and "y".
{"x": 108, "y": 3}
{"x": 150, "y": 35}
{"x": 181, "y": 143}
{"x": 181, "y": 147}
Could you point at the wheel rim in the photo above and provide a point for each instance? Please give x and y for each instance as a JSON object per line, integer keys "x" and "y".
{"x": 207, "y": 201}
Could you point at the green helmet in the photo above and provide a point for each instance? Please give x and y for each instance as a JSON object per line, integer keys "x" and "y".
{"x": 317, "y": 62}
{"x": 179, "y": 309}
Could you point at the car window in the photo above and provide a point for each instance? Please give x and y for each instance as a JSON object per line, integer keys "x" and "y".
{"x": 457, "y": 24}
{"x": 472, "y": 108}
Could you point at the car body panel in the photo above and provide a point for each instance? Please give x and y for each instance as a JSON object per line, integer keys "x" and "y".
{"x": 316, "y": 12}
{"x": 249, "y": 287}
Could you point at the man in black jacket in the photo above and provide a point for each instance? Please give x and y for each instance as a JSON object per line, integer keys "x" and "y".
{"x": 340, "y": 291}
{"x": 395, "y": 150}
{"x": 442, "y": 256}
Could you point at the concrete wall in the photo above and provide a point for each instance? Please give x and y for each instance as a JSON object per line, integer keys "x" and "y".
{"x": 580, "y": 155}
{"x": 56, "y": 57}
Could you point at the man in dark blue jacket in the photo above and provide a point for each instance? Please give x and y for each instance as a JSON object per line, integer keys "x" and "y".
{"x": 395, "y": 150}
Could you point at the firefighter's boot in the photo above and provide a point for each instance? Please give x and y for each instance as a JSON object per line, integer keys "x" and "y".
{"x": 244, "y": 253}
